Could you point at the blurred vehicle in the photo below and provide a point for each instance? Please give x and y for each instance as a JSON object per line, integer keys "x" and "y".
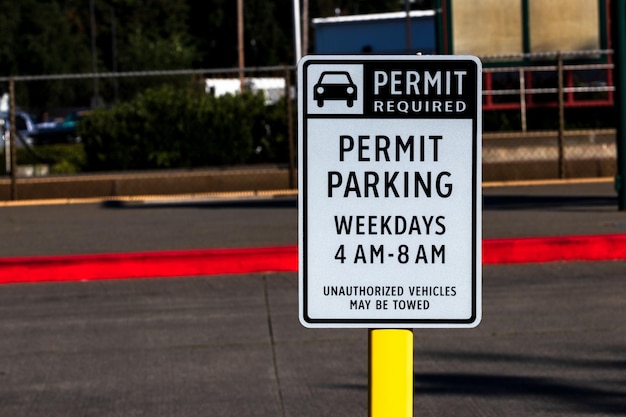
{"x": 48, "y": 133}
{"x": 24, "y": 125}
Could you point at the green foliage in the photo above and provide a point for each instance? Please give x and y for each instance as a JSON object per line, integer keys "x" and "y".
{"x": 44, "y": 37}
{"x": 326, "y": 8}
{"x": 35, "y": 42}
{"x": 172, "y": 128}
{"x": 501, "y": 121}
{"x": 272, "y": 134}
{"x": 61, "y": 159}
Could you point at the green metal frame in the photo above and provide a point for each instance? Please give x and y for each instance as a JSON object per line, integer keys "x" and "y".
{"x": 445, "y": 33}
{"x": 618, "y": 29}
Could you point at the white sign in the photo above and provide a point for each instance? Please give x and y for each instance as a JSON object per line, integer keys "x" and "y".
{"x": 390, "y": 191}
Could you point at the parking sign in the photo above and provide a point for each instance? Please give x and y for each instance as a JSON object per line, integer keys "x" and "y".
{"x": 390, "y": 191}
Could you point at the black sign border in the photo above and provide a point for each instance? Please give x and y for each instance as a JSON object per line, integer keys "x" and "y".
{"x": 378, "y": 323}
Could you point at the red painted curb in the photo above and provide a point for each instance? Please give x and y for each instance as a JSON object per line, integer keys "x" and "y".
{"x": 279, "y": 259}
{"x": 554, "y": 249}
{"x": 148, "y": 264}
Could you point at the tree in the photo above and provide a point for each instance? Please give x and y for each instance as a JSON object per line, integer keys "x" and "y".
{"x": 153, "y": 34}
{"x": 9, "y": 22}
{"x": 327, "y": 8}
{"x": 269, "y": 32}
{"x": 35, "y": 43}
{"x": 54, "y": 37}
{"x": 213, "y": 28}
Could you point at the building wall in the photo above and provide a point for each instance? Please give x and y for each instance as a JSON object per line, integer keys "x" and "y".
{"x": 487, "y": 27}
{"x": 375, "y": 34}
{"x": 564, "y": 25}
{"x": 506, "y": 27}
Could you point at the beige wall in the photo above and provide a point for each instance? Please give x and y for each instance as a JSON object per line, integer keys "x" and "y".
{"x": 495, "y": 27}
{"x": 487, "y": 27}
{"x": 563, "y": 25}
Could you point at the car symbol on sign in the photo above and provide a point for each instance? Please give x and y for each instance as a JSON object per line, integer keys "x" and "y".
{"x": 334, "y": 85}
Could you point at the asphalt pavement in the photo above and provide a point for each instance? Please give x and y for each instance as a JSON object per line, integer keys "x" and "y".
{"x": 552, "y": 209}
{"x": 112, "y": 226}
{"x": 551, "y": 342}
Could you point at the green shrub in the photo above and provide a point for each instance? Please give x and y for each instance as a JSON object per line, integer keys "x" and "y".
{"x": 169, "y": 128}
{"x": 272, "y": 134}
{"x": 61, "y": 159}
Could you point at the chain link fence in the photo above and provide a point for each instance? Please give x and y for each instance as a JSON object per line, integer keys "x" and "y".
{"x": 546, "y": 155}
{"x": 50, "y": 146}
{"x": 546, "y": 116}
{"x": 549, "y": 115}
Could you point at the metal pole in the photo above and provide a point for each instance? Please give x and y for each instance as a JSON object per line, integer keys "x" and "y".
{"x": 618, "y": 32}
{"x": 305, "y": 27}
{"x": 12, "y": 137}
{"x": 522, "y": 95}
{"x": 240, "y": 44}
{"x": 561, "y": 118}
{"x": 407, "y": 25}
{"x": 7, "y": 147}
{"x": 94, "y": 59}
{"x": 292, "y": 166}
{"x": 116, "y": 84}
{"x": 297, "y": 30}
{"x": 391, "y": 373}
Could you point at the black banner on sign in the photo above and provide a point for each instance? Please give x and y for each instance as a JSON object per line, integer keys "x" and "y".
{"x": 420, "y": 89}
{"x": 392, "y": 89}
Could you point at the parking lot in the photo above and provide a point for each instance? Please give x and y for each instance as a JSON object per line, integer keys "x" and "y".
{"x": 550, "y": 343}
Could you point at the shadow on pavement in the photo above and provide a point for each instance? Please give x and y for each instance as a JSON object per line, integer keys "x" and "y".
{"x": 258, "y": 203}
{"x": 575, "y": 397}
{"x": 603, "y": 394}
{"x": 529, "y": 202}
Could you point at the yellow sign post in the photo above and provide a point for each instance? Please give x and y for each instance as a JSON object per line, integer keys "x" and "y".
{"x": 391, "y": 373}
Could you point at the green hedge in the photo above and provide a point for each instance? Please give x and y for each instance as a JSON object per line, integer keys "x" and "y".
{"x": 175, "y": 128}
{"x": 60, "y": 159}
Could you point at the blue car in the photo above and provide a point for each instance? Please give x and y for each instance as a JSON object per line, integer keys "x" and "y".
{"x": 61, "y": 132}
